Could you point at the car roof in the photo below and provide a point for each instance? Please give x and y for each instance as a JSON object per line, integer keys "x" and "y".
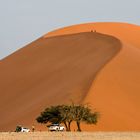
{"x": 24, "y": 128}
{"x": 53, "y": 125}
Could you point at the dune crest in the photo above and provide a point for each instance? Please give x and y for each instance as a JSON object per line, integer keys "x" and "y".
{"x": 123, "y": 31}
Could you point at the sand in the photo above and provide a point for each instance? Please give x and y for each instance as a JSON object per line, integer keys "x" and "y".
{"x": 100, "y": 68}
{"x": 71, "y": 136}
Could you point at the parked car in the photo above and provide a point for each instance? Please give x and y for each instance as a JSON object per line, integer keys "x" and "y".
{"x": 22, "y": 129}
{"x": 56, "y": 127}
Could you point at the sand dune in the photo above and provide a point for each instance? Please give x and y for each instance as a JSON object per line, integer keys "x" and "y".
{"x": 51, "y": 71}
{"x": 73, "y": 63}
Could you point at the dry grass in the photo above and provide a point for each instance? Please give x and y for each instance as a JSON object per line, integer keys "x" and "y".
{"x": 71, "y": 136}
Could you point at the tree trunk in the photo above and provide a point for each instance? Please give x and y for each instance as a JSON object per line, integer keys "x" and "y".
{"x": 69, "y": 123}
{"x": 65, "y": 123}
{"x": 78, "y": 126}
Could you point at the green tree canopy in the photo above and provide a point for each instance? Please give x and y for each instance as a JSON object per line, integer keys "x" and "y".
{"x": 68, "y": 113}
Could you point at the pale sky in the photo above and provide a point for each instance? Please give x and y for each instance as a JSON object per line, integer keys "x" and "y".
{"x": 22, "y": 21}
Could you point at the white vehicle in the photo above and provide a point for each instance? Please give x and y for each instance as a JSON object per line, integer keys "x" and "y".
{"x": 23, "y": 129}
{"x": 56, "y": 127}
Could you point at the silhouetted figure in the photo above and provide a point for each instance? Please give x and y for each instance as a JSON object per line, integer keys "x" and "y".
{"x": 94, "y": 31}
{"x": 33, "y": 128}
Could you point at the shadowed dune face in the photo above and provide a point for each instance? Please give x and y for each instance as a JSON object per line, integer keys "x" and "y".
{"x": 51, "y": 71}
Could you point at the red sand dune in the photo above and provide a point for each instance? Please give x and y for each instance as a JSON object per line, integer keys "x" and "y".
{"x": 76, "y": 64}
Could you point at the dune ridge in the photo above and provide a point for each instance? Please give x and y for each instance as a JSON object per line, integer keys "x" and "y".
{"x": 123, "y": 31}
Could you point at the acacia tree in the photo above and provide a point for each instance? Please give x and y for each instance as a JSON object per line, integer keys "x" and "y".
{"x": 84, "y": 114}
{"x": 68, "y": 113}
{"x": 57, "y": 114}
{"x": 50, "y": 114}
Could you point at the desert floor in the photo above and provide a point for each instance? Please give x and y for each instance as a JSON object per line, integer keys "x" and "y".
{"x": 70, "y": 136}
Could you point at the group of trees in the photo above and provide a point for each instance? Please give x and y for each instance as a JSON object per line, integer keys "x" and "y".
{"x": 66, "y": 114}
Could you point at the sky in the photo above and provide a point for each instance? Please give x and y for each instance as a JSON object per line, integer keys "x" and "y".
{"x": 23, "y": 21}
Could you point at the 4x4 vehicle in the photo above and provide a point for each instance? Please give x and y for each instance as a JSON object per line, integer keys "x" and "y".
{"x": 56, "y": 127}
{"x": 22, "y": 129}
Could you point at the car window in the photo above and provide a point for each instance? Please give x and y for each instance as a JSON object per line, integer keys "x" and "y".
{"x": 25, "y": 128}
{"x": 55, "y": 124}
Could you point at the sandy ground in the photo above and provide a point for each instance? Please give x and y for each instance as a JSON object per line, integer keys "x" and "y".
{"x": 71, "y": 136}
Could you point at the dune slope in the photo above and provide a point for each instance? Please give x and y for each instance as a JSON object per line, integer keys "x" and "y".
{"x": 51, "y": 70}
